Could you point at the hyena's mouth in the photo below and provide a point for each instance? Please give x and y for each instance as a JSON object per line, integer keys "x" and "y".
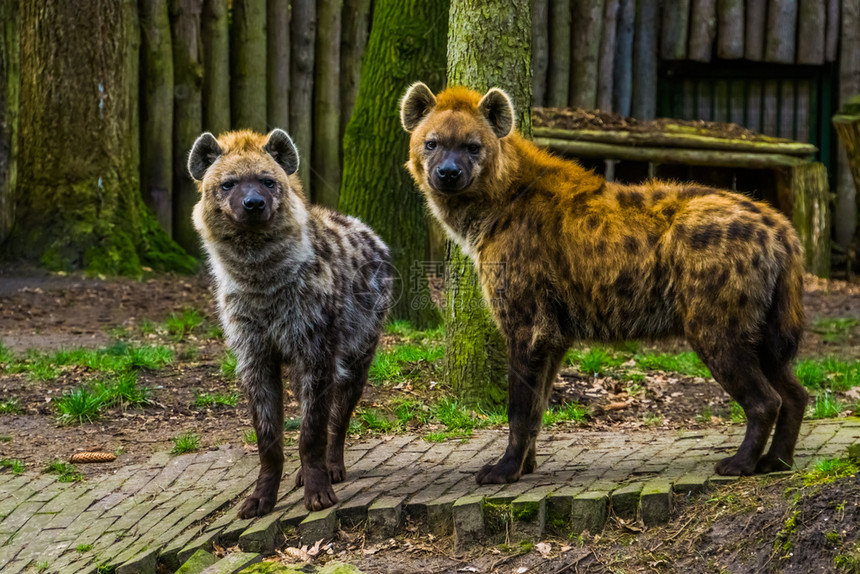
{"x": 449, "y": 187}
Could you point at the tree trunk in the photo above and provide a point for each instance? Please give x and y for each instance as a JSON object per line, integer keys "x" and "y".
{"x": 587, "y": 23}
{"x": 475, "y": 363}
{"x": 375, "y": 186}
{"x": 703, "y": 30}
{"x": 216, "y": 67}
{"x": 303, "y": 25}
{"x": 846, "y": 206}
{"x": 326, "y": 144}
{"x": 558, "y": 81}
{"x": 622, "y": 80}
{"x": 606, "y": 63}
{"x": 811, "y": 25}
{"x": 187, "y": 114}
{"x": 9, "y": 92}
{"x": 755, "y": 30}
{"x": 278, "y": 64}
{"x": 781, "y": 28}
{"x": 730, "y": 43}
{"x": 248, "y": 65}
{"x": 540, "y": 50}
{"x": 353, "y": 41}
{"x": 81, "y": 158}
{"x": 156, "y": 111}
{"x": 676, "y": 21}
{"x": 645, "y": 61}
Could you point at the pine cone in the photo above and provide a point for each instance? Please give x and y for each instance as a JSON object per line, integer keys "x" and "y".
{"x": 80, "y": 457}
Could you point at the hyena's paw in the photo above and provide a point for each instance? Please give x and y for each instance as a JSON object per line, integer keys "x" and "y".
{"x": 768, "y": 464}
{"x": 735, "y": 466}
{"x": 530, "y": 463}
{"x": 500, "y": 473}
{"x": 256, "y": 505}
{"x": 318, "y": 491}
{"x": 336, "y": 472}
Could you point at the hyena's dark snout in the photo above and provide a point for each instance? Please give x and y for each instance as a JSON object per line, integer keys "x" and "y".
{"x": 254, "y": 203}
{"x": 449, "y": 176}
{"x": 251, "y": 204}
{"x": 449, "y": 171}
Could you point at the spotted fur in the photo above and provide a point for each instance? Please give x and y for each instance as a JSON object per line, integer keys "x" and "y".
{"x": 586, "y": 259}
{"x": 297, "y": 285}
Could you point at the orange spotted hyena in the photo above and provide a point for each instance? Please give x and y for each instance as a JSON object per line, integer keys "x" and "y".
{"x": 587, "y": 259}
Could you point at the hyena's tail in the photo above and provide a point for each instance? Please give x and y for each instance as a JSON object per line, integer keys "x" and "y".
{"x": 785, "y": 319}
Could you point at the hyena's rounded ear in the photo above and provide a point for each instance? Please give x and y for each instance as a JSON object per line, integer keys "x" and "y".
{"x": 497, "y": 108}
{"x": 203, "y": 154}
{"x": 415, "y": 105}
{"x": 282, "y": 149}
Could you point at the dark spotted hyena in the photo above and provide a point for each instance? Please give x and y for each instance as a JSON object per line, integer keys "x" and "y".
{"x": 588, "y": 259}
{"x": 297, "y": 285}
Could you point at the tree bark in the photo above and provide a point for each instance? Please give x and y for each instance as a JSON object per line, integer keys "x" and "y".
{"x": 248, "y": 65}
{"x": 353, "y": 41}
{"x": 540, "y": 50}
{"x": 303, "y": 26}
{"x": 558, "y": 81}
{"x": 703, "y": 30}
{"x": 475, "y": 363}
{"x": 645, "y": 61}
{"x": 587, "y": 21}
{"x": 278, "y": 64}
{"x": 375, "y": 186}
{"x": 187, "y": 114}
{"x": 730, "y": 42}
{"x": 811, "y": 23}
{"x": 216, "y": 67}
{"x": 156, "y": 111}
{"x": 847, "y": 205}
{"x": 781, "y": 28}
{"x": 675, "y": 27}
{"x": 755, "y": 30}
{"x": 622, "y": 82}
{"x": 9, "y": 94}
{"x": 326, "y": 144}
{"x": 606, "y": 62}
{"x": 831, "y": 32}
{"x": 81, "y": 158}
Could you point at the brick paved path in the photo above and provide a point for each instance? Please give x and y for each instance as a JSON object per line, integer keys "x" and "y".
{"x": 164, "y": 510}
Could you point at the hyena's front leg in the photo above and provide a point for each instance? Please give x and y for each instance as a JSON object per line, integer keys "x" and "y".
{"x": 316, "y": 386}
{"x": 262, "y": 381}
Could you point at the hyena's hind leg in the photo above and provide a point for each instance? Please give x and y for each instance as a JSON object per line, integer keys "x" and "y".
{"x": 553, "y": 364}
{"x": 349, "y": 388}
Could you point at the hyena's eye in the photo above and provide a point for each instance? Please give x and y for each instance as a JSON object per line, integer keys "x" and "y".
{"x": 430, "y": 145}
{"x": 268, "y": 183}
{"x": 227, "y": 185}
{"x": 473, "y": 148}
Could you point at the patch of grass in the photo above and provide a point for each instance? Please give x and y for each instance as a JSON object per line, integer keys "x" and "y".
{"x": 122, "y": 391}
{"x": 829, "y": 373}
{"x": 293, "y": 424}
{"x": 827, "y": 470}
{"x": 404, "y": 329}
{"x": 11, "y": 407}
{"x": 84, "y": 547}
{"x": 492, "y": 418}
{"x": 569, "y": 412}
{"x": 835, "y": 330}
{"x": 705, "y": 416}
{"x": 7, "y": 359}
{"x": 249, "y": 436}
{"x": 185, "y": 443}
{"x": 180, "y": 326}
{"x": 442, "y": 436}
{"x": 826, "y": 406}
{"x": 454, "y": 415}
{"x": 374, "y": 420}
{"x": 147, "y": 327}
{"x": 67, "y": 472}
{"x": 5, "y": 438}
{"x": 686, "y": 363}
{"x": 204, "y": 400}
{"x": 594, "y": 361}
{"x": 811, "y": 373}
{"x": 409, "y": 410}
{"x": 41, "y": 566}
{"x": 652, "y": 419}
{"x": 215, "y": 332}
{"x": 403, "y": 362}
{"x": 78, "y": 405}
{"x": 15, "y": 466}
{"x": 737, "y": 413}
{"x": 228, "y": 365}
{"x": 848, "y": 560}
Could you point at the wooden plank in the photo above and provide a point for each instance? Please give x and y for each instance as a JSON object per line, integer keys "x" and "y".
{"x": 831, "y": 31}
{"x": 721, "y": 101}
{"x": 622, "y": 78}
{"x": 845, "y": 222}
{"x": 705, "y": 101}
{"x": 736, "y": 101}
{"x": 810, "y": 214}
{"x": 781, "y": 30}
{"x": 558, "y": 80}
{"x": 811, "y": 22}
{"x": 720, "y": 158}
{"x": 754, "y": 30}
{"x": 703, "y": 30}
{"x": 644, "y": 96}
{"x": 786, "y": 107}
{"x": 801, "y": 107}
{"x": 586, "y": 22}
{"x": 753, "y": 119}
{"x": 770, "y": 100}
{"x": 606, "y": 62}
{"x": 540, "y": 50}
{"x": 688, "y": 91}
{"x": 674, "y": 29}
{"x": 730, "y": 41}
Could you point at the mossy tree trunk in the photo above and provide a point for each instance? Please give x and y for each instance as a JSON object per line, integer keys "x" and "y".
{"x": 80, "y": 155}
{"x": 353, "y": 41}
{"x": 9, "y": 86}
{"x": 326, "y": 144}
{"x": 248, "y": 65}
{"x": 278, "y": 63}
{"x": 215, "y": 33}
{"x": 187, "y": 114}
{"x": 303, "y": 26}
{"x": 156, "y": 111}
{"x": 375, "y": 186}
{"x": 475, "y": 357}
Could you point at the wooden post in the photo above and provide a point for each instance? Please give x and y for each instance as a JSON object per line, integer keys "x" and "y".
{"x": 9, "y": 97}
{"x": 248, "y": 65}
{"x": 845, "y": 222}
{"x": 645, "y": 61}
{"x": 847, "y": 124}
{"x": 730, "y": 42}
{"x": 781, "y": 30}
{"x": 676, "y": 21}
{"x": 831, "y": 32}
{"x": 278, "y": 64}
{"x": 216, "y": 66}
{"x": 755, "y": 30}
{"x": 703, "y": 30}
{"x": 606, "y": 61}
{"x": 808, "y": 189}
{"x": 540, "y": 51}
{"x": 811, "y": 23}
{"x": 353, "y": 41}
{"x": 558, "y": 81}
{"x": 303, "y": 26}
{"x": 587, "y": 22}
{"x": 327, "y": 143}
{"x": 622, "y": 77}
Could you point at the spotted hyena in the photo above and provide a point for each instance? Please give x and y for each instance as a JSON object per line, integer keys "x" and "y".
{"x": 587, "y": 259}
{"x": 297, "y": 285}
